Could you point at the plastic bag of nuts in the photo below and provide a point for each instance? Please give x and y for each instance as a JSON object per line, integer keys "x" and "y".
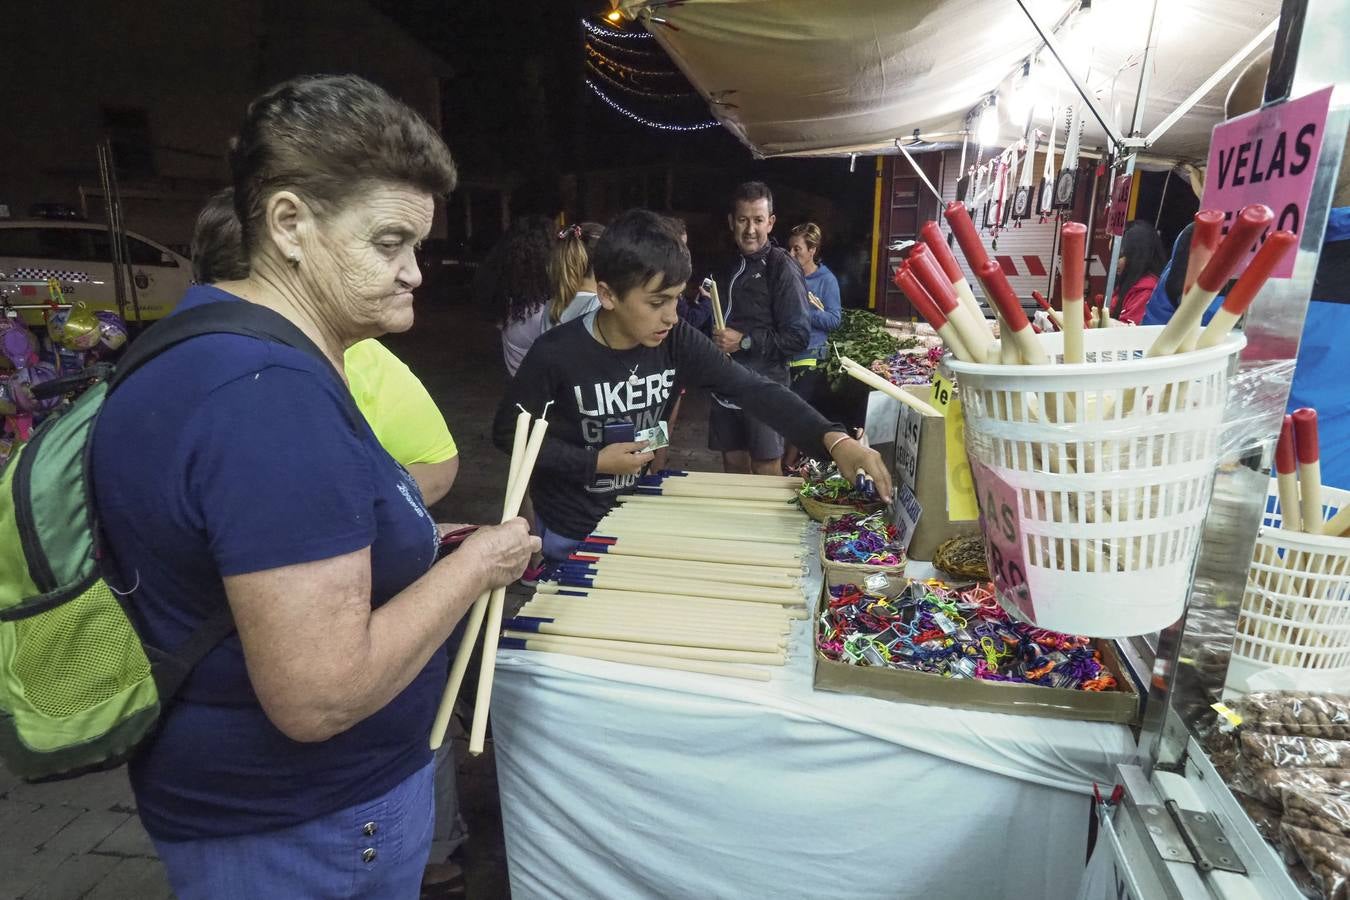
{"x": 1268, "y": 785}
{"x": 1327, "y": 858}
{"x": 1266, "y": 818}
{"x": 1291, "y": 751}
{"x": 1296, "y": 713}
{"x": 1316, "y": 811}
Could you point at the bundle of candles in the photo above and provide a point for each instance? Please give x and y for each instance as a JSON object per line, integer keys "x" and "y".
{"x": 909, "y": 366}
{"x": 1288, "y": 571}
{"x": 869, "y": 540}
{"x": 932, "y": 281}
{"x": 529, "y": 438}
{"x": 690, "y": 582}
{"x": 758, "y": 488}
{"x": 1298, "y": 474}
{"x": 956, "y": 633}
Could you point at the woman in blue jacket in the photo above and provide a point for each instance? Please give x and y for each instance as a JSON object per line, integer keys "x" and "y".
{"x": 823, "y": 312}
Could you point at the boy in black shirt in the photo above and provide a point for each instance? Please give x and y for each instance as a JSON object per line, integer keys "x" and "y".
{"x": 623, "y": 365}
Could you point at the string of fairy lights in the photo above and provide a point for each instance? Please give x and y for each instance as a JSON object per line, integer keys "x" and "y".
{"x": 631, "y": 63}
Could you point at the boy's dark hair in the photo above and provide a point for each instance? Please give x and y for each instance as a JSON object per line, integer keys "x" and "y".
{"x": 750, "y": 191}
{"x": 218, "y": 242}
{"x": 636, "y": 246}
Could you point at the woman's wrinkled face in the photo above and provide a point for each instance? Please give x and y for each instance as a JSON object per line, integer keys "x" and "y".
{"x": 362, "y": 267}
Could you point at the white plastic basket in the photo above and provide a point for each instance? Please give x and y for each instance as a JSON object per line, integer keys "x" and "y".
{"x": 1294, "y": 627}
{"x": 1094, "y": 479}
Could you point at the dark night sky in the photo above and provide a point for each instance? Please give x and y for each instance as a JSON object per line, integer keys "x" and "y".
{"x": 517, "y": 104}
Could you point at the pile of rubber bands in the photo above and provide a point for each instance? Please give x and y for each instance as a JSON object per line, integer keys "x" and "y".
{"x": 956, "y": 633}
{"x": 909, "y": 367}
{"x": 870, "y": 540}
{"x": 826, "y": 485}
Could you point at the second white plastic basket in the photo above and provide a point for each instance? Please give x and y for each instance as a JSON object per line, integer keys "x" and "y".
{"x": 1094, "y": 479}
{"x": 1294, "y": 627}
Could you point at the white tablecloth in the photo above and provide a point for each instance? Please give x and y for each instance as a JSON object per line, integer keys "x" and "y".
{"x": 621, "y": 781}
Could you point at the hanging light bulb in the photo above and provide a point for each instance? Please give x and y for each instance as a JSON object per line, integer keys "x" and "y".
{"x": 987, "y": 131}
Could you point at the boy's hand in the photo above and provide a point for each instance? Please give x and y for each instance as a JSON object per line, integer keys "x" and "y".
{"x": 623, "y": 458}
{"x": 852, "y": 456}
{"x": 728, "y": 340}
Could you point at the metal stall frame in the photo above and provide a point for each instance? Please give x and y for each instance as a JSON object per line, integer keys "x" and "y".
{"x": 1178, "y": 830}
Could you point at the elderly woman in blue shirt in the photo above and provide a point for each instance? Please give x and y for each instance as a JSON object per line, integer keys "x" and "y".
{"x": 294, "y": 761}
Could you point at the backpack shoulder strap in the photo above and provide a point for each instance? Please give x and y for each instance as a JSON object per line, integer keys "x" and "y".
{"x": 225, "y": 317}
{"x": 171, "y": 670}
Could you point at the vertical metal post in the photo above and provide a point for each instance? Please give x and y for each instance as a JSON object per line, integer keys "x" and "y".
{"x": 104, "y": 165}
{"x": 1162, "y": 201}
{"x": 119, "y": 235}
{"x": 1136, "y": 129}
{"x": 1115, "y": 241}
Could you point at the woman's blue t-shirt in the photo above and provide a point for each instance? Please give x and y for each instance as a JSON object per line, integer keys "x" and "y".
{"x": 228, "y": 455}
{"x": 825, "y": 286}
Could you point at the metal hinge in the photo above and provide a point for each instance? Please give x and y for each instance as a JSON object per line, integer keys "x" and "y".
{"x": 1181, "y": 835}
{"x": 1189, "y": 836}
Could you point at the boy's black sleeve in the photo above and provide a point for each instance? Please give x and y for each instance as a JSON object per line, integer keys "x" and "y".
{"x": 534, "y": 386}
{"x": 701, "y": 363}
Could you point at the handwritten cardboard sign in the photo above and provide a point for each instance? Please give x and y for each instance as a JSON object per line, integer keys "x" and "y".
{"x": 906, "y": 512}
{"x": 1268, "y": 156}
{"x": 1119, "y": 211}
{"x": 1000, "y": 520}
{"x": 909, "y": 426}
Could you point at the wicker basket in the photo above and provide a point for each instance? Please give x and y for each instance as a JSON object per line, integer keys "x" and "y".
{"x": 837, "y": 573}
{"x": 820, "y": 511}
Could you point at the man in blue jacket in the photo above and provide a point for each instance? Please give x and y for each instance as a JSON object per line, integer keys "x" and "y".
{"x": 764, "y": 304}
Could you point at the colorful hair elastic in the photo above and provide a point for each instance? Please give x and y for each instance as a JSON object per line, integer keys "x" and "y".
{"x": 935, "y": 628}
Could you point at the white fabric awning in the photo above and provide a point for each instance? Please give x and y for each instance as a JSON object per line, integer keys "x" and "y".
{"x": 831, "y": 77}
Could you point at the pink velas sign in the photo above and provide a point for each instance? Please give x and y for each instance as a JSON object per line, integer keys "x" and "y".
{"x": 1268, "y": 156}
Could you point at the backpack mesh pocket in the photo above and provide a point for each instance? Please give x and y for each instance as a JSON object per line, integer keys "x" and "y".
{"x": 78, "y": 655}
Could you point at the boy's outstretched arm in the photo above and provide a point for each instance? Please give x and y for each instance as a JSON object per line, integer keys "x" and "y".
{"x": 702, "y": 364}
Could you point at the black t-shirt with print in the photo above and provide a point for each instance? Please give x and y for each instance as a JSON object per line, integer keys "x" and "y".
{"x": 592, "y": 385}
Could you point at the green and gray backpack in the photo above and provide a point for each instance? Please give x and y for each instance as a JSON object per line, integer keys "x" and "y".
{"x": 79, "y": 690}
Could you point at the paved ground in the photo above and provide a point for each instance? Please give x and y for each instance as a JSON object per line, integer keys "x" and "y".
{"x": 82, "y": 839}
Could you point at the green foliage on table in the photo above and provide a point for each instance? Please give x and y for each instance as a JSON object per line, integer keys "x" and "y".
{"x": 863, "y": 338}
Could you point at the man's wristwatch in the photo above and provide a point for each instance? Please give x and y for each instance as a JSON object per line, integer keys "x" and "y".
{"x": 745, "y": 342}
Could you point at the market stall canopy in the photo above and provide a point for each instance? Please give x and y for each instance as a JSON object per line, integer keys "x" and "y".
{"x": 806, "y": 77}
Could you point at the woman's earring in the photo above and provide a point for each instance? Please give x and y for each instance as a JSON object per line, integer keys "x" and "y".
{"x": 294, "y": 258}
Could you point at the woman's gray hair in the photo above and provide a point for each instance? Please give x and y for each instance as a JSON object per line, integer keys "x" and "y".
{"x": 328, "y": 138}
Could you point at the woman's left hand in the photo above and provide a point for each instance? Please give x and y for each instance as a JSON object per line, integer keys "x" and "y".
{"x": 850, "y": 455}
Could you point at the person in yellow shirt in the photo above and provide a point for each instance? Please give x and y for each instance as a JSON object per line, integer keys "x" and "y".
{"x": 403, "y": 416}
{"x": 401, "y": 413}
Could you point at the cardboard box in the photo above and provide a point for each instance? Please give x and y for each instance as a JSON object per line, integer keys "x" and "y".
{"x": 930, "y": 483}
{"x": 1119, "y": 705}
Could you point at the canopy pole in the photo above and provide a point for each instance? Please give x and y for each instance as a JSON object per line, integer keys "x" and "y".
{"x": 1136, "y": 126}
{"x": 1199, "y": 93}
{"x": 1162, "y": 201}
{"x": 917, "y": 171}
{"x": 1052, "y": 44}
{"x": 877, "y": 246}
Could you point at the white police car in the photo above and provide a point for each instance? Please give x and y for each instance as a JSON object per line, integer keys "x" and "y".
{"x": 79, "y": 254}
